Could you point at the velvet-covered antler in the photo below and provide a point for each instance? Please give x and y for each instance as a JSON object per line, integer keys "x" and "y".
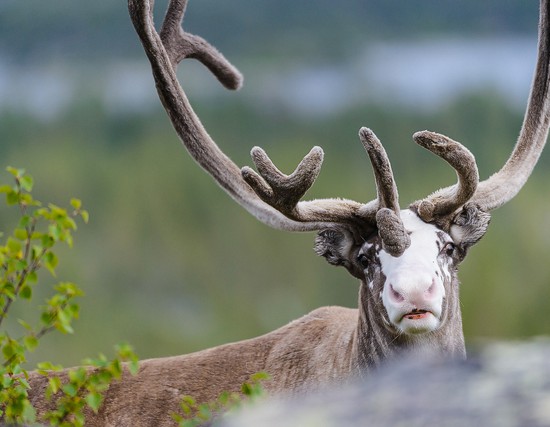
{"x": 445, "y": 204}
{"x": 271, "y": 196}
{"x": 275, "y": 198}
{"x": 506, "y": 183}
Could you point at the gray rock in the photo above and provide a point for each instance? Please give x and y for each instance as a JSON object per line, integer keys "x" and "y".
{"x": 503, "y": 384}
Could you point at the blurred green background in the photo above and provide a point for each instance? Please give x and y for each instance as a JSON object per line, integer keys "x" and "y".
{"x": 168, "y": 262}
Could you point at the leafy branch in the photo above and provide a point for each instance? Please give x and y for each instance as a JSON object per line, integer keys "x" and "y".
{"x": 194, "y": 414}
{"x": 23, "y": 253}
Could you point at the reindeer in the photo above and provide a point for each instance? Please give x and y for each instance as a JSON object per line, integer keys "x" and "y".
{"x": 406, "y": 259}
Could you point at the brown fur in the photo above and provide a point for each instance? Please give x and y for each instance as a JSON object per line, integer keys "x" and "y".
{"x": 292, "y": 354}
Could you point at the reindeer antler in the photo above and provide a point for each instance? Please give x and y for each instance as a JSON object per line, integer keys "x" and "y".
{"x": 281, "y": 191}
{"x": 275, "y": 198}
{"x": 506, "y": 183}
{"x": 445, "y": 204}
{"x": 164, "y": 59}
{"x": 271, "y": 196}
{"x": 390, "y": 227}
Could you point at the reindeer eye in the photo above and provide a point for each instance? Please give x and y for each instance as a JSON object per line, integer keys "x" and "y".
{"x": 363, "y": 260}
{"x": 449, "y": 249}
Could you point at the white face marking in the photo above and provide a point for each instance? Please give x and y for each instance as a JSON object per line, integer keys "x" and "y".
{"x": 414, "y": 290}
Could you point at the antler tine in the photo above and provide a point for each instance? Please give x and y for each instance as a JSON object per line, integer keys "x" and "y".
{"x": 281, "y": 191}
{"x": 180, "y": 45}
{"x": 383, "y": 174}
{"x": 284, "y": 192}
{"x": 390, "y": 227}
{"x": 446, "y": 201}
{"x": 506, "y": 183}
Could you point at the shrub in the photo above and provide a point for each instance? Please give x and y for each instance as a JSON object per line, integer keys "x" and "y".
{"x": 194, "y": 414}
{"x": 23, "y": 253}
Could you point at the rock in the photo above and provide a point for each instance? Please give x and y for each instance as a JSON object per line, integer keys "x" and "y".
{"x": 502, "y": 384}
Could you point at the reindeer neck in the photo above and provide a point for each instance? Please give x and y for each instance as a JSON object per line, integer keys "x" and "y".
{"x": 375, "y": 341}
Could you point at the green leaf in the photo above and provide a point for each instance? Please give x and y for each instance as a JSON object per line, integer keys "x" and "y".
{"x": 26, "y": 182}
{"x": 42, "y": 213}
{"x": 69, "y": 289}
{"x": 204, "y": 412}
{"x": 188, "y": 404}
{"x": 5, "y": 188}
{"x": 30, "y": 342}
{"x": 29, "y": 413}
{"x": 48, "y": 366}
{"x": 8, "y": 350}
{"x": 126, "y": 353}
{"x": 14, "y": 247}
{"x": 24, "y": 221}
{"x": 20, "y": 233}
{"x": 12, "y": 197}
{"x": 25, "y": 324}
{"x": 56, "y": 212}
{"x": 47, "y": 241}
{"x": 94, "y": 401}
{"x": 116, "y": 368}
{"x": 37, "y": 235}
{"x": 68, "y": 239}
{"x": 133, "y": 366}
{"x": 50, "y": 262}
{"x": 20, "y": 265}
{"x": 68, "y": 223}
{"x": 47, "y": 318}
{"x": 78, "y": 375}
{"x": 32, "y": 277}
{"x": 259, "y": 376}
{"x": 70, "y": 389}
{"x": 25, "y": 292}
{"x": 15, "y": 172}
{"x": 55, "y": 232}
{"x": 12, "y": 348}
{"x": 76, "y": 204}
{"x": 246, "y": 389}
{"x": 8, "y": 289}
{"x": 85, "y": 216}
{"x": 26, "y": 199}
{"x": 63, "y": 323}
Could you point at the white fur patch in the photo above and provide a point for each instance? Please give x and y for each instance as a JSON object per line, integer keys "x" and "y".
{"x": 413, "y": 281}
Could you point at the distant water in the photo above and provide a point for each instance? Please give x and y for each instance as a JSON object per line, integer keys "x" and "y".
{"x": 423, "y": 74}
{"x": 418, "y": 74}
{"x": 433, "y": 72}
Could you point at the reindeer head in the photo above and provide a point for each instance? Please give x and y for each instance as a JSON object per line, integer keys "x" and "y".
{"x": 406, "y": 259}
{"x": 413, "y": 290}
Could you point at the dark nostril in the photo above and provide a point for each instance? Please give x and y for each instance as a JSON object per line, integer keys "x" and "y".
{"x": 396, "y": 295}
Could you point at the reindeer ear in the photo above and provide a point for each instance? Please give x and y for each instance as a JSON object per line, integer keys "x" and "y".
{"x": 469, "y": 226}
{"x": 338, "y": 246}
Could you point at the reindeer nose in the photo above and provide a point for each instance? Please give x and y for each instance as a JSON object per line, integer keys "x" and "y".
{"x": 396, "y": 295}
{"x": 415, "y": 292}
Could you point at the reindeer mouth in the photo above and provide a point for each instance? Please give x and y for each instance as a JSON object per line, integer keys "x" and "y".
{"x": 417, "y": 314}
{"x": 418, "y": 321}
